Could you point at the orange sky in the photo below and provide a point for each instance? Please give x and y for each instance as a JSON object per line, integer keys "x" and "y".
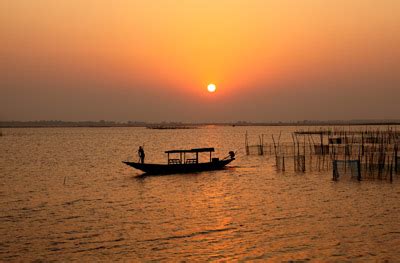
{"x": 262, "y": 55}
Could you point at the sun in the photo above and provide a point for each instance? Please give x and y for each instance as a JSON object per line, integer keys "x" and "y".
{"x": 211, "y": 88}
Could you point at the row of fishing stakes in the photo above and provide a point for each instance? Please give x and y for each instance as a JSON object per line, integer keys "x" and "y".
{"x": 281, "y": 151}
{"x": 364, "y": 154}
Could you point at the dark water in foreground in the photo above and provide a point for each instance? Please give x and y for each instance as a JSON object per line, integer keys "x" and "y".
{"x": 247, "y": 212}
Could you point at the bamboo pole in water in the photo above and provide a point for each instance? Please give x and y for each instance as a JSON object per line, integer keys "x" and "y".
{"x": 246, "y": 143}
{"x": 396, "y": 168}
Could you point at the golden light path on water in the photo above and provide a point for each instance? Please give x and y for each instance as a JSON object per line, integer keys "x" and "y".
{"x": 65, "y": 195}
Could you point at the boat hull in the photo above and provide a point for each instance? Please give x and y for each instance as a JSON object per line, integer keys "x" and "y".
{"x": 149, "y": 168}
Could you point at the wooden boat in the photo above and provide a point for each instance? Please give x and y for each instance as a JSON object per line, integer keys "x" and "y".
{"x": 183, "y": 164}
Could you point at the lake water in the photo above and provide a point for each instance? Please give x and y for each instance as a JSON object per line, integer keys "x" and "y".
{"x": 65, "y": 195}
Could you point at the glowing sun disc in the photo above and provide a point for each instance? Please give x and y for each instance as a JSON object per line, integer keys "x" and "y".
{"x": 211, "y": 88}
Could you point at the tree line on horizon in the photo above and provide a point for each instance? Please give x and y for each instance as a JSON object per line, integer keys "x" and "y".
{"x": 106, "y": 123}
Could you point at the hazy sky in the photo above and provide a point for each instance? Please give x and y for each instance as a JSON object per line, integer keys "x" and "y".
{"x": 152, "y": 60}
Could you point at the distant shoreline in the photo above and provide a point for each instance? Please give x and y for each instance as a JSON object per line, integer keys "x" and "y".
{"x": 61, "y": 124}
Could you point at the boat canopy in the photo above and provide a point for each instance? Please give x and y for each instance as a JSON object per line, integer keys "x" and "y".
{"x": 195, "y": 150}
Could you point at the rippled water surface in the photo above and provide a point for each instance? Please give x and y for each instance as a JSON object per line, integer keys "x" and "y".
{"x": 65, "y": 195}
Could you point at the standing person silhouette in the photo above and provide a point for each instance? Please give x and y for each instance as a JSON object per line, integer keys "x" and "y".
{"x": 141, "y": 154}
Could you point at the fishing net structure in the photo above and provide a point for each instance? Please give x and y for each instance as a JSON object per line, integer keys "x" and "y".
{"x": 280, "y": 162}
{"x": 343, "y": 168}
{"x": 300, "y": 163}
{"x": 369, "y": 153}
{"x": 259, "y": 150}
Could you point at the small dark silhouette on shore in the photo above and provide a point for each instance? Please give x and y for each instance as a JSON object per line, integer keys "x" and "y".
{"x": 141, "y": 154}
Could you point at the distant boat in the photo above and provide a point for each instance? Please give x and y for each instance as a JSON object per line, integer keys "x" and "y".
{"x": 169, "y": 127}
{"x": 183, "y": 164}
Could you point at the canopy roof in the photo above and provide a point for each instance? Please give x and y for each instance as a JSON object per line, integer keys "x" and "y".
{"x": 196, "y": 150}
